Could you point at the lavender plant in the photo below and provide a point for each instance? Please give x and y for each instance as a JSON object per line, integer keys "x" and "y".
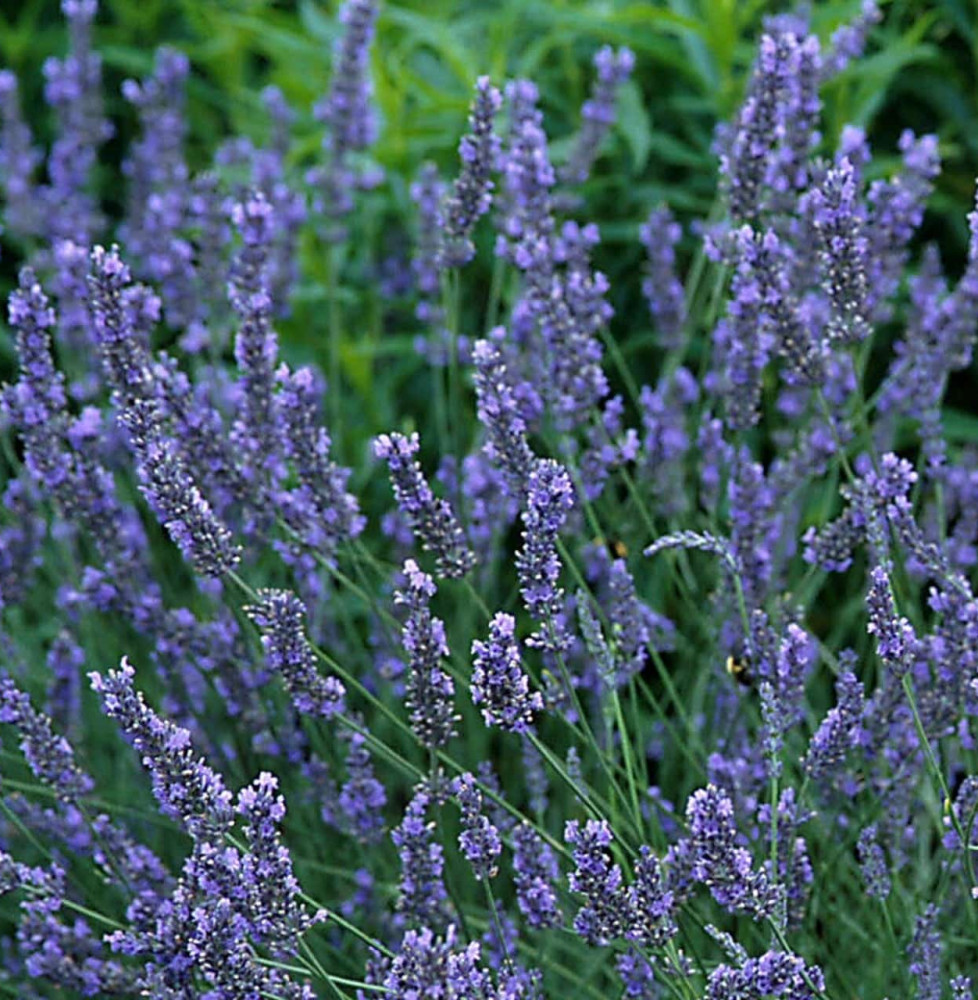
{"x": 691, "y": 709}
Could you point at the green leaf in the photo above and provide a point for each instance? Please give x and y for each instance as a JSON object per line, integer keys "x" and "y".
{"x": 634, "y": 124}
{"x": 959, "y": 426}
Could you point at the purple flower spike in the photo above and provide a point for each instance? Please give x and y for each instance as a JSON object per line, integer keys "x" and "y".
{"x": 50, "y": 756}
{"x": 498, "y": 682}
{"x": 432, "y": 519}
{"x": 479, "y": 839}
{"x": 775, "y": 974}
{"x": 430, "y": 690}
{"x": 256, "y": 432}
{"x": 472, "y": 193}
{"x": 612, "y": 68}
{"x": 924, "y": 952}
{"x": 276, "y": 913}
{"x": 19, "y": 159}
{"x": 662, "y": 289}
{"x": 280, "y": 614}
{"x": 423, "y": 898}
{"x": 896, "y": 641}
{"x": 73, "y": 89}
{"x": 744, "y": 164}
{"x": 499, "y": 413}
{"x": 839, "y": 219}
{"x": 346, "y": 110}
{"x": 839, "y": 730}
{"x": 535, "y": 874}
{"x": 550, "y": 497}
{"x": 605, "y": 913}
{"x": 720, "y": 864}
{"x": 872, "y": 864}
{"x": 186, "y": 788}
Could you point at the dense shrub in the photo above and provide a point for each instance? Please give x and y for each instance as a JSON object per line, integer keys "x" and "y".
{"x": 606, "y": 639}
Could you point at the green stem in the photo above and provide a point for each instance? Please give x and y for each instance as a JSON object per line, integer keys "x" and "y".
{"x": 335, "y": 319}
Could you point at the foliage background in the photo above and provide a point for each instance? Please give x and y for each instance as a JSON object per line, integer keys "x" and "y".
{"x": 693, "y": 58}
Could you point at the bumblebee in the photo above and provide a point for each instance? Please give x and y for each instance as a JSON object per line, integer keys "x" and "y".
{"x": 615, "y": 546}
{"x": 739, "y": 669}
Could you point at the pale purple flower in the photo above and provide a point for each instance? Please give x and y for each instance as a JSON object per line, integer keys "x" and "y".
{"x": 430, "y": 691}
{"x": 431, "y": 518}
{"x": 186, "y": 788}
{"x": 499, "y": 684}
{"x": 471, "y": 194}
{"x": 549, "y": 500}
{"x": 479, "y": 840}
{"x": 280, "y": 616}
{"x": 604, "y": 915}
{"x": 612, "y": 70}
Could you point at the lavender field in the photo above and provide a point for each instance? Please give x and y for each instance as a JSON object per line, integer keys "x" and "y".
{"x": 489, "y": 500}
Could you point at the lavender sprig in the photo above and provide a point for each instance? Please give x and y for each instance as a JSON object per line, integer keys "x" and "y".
{"x": 550, "y": 498}
{"x": 479, "y": 839}
{"x": 535, "y": 873}
{"x": 471, "y": 194}
{"x": 280, "y": 615}
{"x": 430, "y": 690}
{"x": 499, "y": 413}
{"x": 719, "y": 863}
{"x": 612, "y": 69}
{"x": 605, "y": 913}
{"x": 499, "y": 684}
{"x": 661, "y": 287}
{"x": 186, "y": 788}
{"x": 346, "y": 111}
{"x": 432, "y": 519}
{"x": 50, "y": 756}
{"x": 743, "y": 165}
{"x": 838, "y": 218}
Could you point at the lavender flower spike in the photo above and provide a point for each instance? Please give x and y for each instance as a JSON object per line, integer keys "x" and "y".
{"x": 498, "y": 682}
{"x": 19, "y": 159}
{"x": 256, "y": 345}
{"x": 479, "y": 839}
{"x": 839, "y": 220}
{"x": 164, "y": 476}
{"x": 662, "y": 289}
{"x": 50, "y": 756}
{"x": 839, "y": 729}
{"x": 429, "y": 689}
{"x": 345, "y": 110}
{"x": 613, "y": 69}
{"x": 550, "y": 497}
{"x": 279, "y": 614}
{"x": 719, "y": 863}
{"x": 328, "y": 513}
{"x": 423, "y": 898}
{"x": 535, "y": 873}
{"x": 498, "y": 411}
{"x": 605, "y": 914}
{"x": 184, "y": 511}
{"x": 275, "y": 910}
{"x": 872, "y": 864}
{"x": 73, "y": 89}
{"x": 744, "y": 164}
{"x": 186, "y": 788}
{"x": 432, "y": 520}
{"x": 472, "y": 193}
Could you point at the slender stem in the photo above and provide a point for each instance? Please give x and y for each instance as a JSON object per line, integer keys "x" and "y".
{"x": 946, "y": 792}
{"x": 335, "y": 320}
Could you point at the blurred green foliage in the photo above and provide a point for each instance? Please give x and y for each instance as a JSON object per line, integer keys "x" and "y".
{"x": 692, "y": 57}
